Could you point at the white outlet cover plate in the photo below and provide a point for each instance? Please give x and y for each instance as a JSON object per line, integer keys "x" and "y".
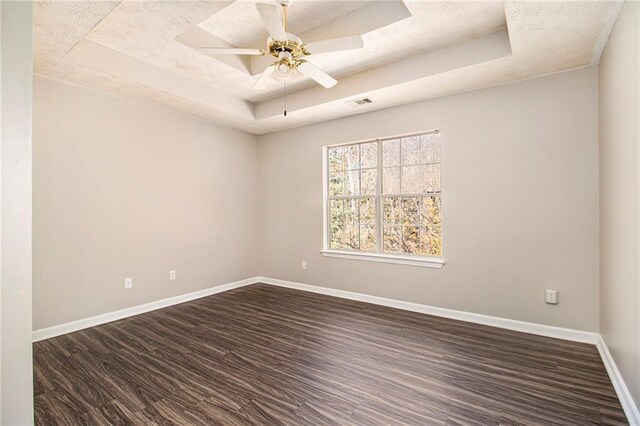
{"x": 551, "y": 296}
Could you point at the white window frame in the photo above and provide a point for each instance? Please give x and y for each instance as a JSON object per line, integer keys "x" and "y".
{"x": 400, "y": 259}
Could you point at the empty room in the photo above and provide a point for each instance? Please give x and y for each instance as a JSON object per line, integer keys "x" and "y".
{"x": 305, "y": 212}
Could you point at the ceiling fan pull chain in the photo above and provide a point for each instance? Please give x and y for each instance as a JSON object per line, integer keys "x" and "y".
{"x": 285, "y": 97}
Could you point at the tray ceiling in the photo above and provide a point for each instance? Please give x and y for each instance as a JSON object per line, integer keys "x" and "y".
{"x": 414, "y": 50}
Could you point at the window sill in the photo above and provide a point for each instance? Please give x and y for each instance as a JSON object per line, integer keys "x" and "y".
{"x": 426, "y": 262}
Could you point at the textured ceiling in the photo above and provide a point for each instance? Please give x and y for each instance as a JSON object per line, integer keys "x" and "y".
{"x": 302, "y": 17}
{"x": 413, "y": 50}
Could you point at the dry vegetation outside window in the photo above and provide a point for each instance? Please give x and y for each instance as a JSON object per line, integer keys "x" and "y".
{"x": 384, "y": 196}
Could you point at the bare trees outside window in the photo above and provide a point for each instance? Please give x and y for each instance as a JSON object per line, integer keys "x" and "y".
{"x": 384, "y": 196}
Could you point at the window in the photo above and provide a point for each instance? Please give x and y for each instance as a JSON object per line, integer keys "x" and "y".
{"x": 383, "y": 198}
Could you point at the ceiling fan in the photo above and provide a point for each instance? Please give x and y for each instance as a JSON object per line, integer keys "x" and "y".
{"x": 290, "y": 51}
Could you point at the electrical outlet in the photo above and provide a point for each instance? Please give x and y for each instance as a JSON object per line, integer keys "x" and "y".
{"x": 128, "y": 283}
{"x": 551, "y": 296}
{"x": 172, "y": 275}
{"x": 304, "y": 264}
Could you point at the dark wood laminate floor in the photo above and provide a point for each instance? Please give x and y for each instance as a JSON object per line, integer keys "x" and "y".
{"x": 268, "y": 355}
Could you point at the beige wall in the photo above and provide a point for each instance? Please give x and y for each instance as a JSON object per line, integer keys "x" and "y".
{"x": 16, "y": 375}
{"x": 619, "y": 99}
{"x": 125, "y": 189}
{"x": 520, "y": 202}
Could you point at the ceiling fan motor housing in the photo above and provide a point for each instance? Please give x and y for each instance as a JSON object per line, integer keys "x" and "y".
{"x": 292, "y": 45}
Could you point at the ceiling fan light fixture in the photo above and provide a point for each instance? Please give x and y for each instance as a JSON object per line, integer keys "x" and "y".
{"x": 285, "y": 71}
{"x": 279, "y": 76}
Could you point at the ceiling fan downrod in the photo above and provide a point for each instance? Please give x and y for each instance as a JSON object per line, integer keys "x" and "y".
{"x": 284, "y": 14}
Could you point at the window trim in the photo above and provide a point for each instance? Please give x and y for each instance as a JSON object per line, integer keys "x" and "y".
{"x": 399, "y": 259}
{"x": 378, "y": 256}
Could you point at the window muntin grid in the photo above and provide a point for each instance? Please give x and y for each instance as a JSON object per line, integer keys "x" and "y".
{"x": 384, "y": 196}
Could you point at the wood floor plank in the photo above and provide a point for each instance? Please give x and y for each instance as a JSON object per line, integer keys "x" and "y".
{"x": 267, "y": 355}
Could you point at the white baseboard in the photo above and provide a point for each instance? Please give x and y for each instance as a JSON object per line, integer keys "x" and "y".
{"x": 525, "y": 327}
{"x": 628, "y": 405}
{"x": 70, "y": 327}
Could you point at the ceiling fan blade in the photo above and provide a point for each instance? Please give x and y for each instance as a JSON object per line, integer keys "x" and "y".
{"x": 271, "y": 20}
{"x": 263, "y": 80}
{"x": 230, "y": 51}
{"x": 317, "y": 74}
{"x": 332, "y": 45}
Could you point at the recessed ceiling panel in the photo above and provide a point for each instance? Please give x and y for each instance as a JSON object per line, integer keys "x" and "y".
{"x": 410, "y": 51}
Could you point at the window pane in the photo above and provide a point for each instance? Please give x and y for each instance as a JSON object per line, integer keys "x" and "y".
{"x": 430, "y": 211}
{"x": 369, "y": 181}
{"x": 336, "y": 211}
{"x": 352, "y": 183}
{"x": 350, "y": 237}
{"x": 391, "y": 210}
{"x": 410, "y": 211}
{"x": 392, "y": 239}
{"x": 369, "y": 155}
{"x": 431, "y": 232}
{"x": 431, "y": 178}
{"x": 336, "y": 222}
{"x": 410, "y": 152}
{"x": 336, "y": 158}
{"x": 391, "y": 180}
{"x": 344, "y": 224}
{"x": 337, "y": 236}
{"x": 351, "y": 214}
{"x": 431, "y": 241}
{"x": 430, "y": 148}
{"x": 391, "y": 153}
{"x": 368, "y": 237}
{"x": 411, "y": 179}
{"x": 336, "y": 184}
{"x": 352, "y": 157}
{"x": 410, "y": 239}
{"x": 367, "y": 211}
